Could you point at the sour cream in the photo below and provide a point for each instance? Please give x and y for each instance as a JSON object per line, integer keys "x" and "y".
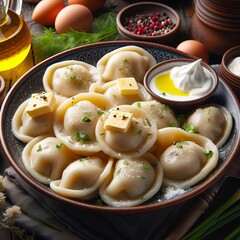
{"x": 186, "y": 82}
{"x": 234, "y": 66}
{"x": 191, "y": 78}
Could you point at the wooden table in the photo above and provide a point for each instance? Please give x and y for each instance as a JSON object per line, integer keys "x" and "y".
{"x": 184, "y": 8}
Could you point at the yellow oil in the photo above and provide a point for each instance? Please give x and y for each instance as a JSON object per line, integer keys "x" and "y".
{"x": 15, "y": 42}
{"x": 165, "y": 85}
{"x": 14, "y": 60}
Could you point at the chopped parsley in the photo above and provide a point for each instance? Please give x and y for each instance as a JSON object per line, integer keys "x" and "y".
{"x": 82, "y": 137}
{"x": 172, "y": 124}
{"x": 165, "y": 107}
{"x": 100, "y": 112}
{"x": 119, "y": 170}
{"x": 72, "y": 77}
{"x": 59, "y": 145}
{"x": 139, "y": 132}
{"x": 145, "y": 167}
{"x": 86, "y": 119}
{"x": 139, "y": 104}
{"x": 190, "y": 128}
{"x": 209, "y": 154}
{"x": 39, "y": 149}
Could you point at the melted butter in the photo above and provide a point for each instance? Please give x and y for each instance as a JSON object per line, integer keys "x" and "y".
{"x": 164, "y": 84}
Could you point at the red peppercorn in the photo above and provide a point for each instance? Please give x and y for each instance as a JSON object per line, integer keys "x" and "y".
{"x": 151, "y": 24}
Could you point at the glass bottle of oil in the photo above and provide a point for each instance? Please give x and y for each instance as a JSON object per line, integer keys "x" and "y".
{"x": 15, "y": 39}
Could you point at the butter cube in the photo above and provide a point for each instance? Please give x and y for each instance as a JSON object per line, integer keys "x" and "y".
{"x": 40, "y": 104}
{"x": 118, "y": 121}
{"x": 127, "y": 86}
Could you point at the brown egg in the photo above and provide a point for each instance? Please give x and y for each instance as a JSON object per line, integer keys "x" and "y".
{"x": 74, "y": 17}
{"x": 194, "y": 48}
{"x": 45, "y": 11}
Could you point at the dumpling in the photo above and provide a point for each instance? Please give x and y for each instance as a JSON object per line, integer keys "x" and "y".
{"x": 75, "y": 121}
{"x": 161, "y": 113}
{"x": 117, "y": 97}
{"x": 82, "y": 178}
{"x": 26, "y": 127}
{"x": 69, "y": 78}
{"x": 45, "y": 158}
{"x": 128, "y": 61}
{"x": 132, "y": 182}
{"x": 186, "y": 158}
{"x": 126, "y": 131}
{"x": 214, "y": 122}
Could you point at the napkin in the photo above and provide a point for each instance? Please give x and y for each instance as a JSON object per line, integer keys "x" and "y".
{"x": 80, "y": 224}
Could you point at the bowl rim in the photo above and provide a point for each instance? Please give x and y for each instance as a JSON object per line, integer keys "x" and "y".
{"x": 121, "y": 28}
{"x": 146, "y": 82}
{"x": 107, "y": 209}
{"x": 227, "y": 56}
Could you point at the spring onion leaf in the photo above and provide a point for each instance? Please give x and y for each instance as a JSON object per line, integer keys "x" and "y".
{"x": 227, "y": 212}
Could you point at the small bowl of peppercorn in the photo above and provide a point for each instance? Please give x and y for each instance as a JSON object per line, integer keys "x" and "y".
{"x": 148, "y": 21}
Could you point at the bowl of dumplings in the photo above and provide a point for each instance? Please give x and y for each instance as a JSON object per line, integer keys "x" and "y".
{"x": 82, "y": 129}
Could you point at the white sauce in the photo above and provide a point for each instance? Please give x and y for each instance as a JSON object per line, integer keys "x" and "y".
{"x": 192, "y": 78}
{"x": 234, "y": 66}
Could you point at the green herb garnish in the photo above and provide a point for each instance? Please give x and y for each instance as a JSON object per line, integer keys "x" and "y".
{"x": 39, "y": 149}
{"x": 82, "y": 137}
{"x": 139, "y": 104}
{"x": 145, "y": 167}
{"x": 100, "y": 112}
{"x": 172, "y": 124}
{"x": 86, "y": 119}
{"x": 59, "y": 145}
{"x": 51, "y": 43}
{"x": 209, "y": 154}
{"x": 190, "y": 128}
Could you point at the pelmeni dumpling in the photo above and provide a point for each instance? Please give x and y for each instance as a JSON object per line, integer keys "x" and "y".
{"x": 126, "y": 131}
{"x": 186, "y": 158}
{"x": 26, "y": 127}
{"x": 75, "y": 121}
{"x": 132, "y": 182}
{"x": 214, "y": 122}
{"x": 82, "y": 178}
{"x": 116, "y": 97}
{"x": 45, "y": 158}
{"x": 69, "y": 78}
{"x": 161, "y": 113}
{"x": 128, "y": 61}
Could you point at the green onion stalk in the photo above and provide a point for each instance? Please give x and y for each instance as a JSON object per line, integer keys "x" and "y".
{"x": 226, "y": 213}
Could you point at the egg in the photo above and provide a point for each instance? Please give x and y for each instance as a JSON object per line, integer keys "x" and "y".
{"x": 74, "y": 17}
{"x": 45, "y": 11}
{"x": 93, "y": 5}
{"x": 194, "y": 48}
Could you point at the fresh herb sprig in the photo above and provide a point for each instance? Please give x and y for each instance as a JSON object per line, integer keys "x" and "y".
{"x": 50, "y": 42}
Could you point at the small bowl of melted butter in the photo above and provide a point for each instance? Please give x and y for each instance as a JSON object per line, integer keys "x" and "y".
{"x": 181, "y": 83}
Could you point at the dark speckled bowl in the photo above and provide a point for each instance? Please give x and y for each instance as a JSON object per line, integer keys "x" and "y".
{"x": 146, "y": 8}
{"x": 32, "y": 82}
